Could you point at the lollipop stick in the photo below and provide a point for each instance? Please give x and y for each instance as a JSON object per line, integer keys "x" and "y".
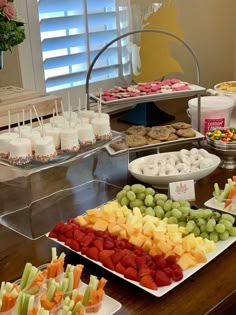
{"x": 37, "y": 116}
{"x": 62, "y": 110}
{"x": 31, "y": 124}
{"x": 68, "y": 100}
{"x": 86, "y": 104}
{"x": 56, "y": 107}
{"x": 53, "y": 118}
{"x": 79, "y": 107}
{"x": 23, "y": 117}
{"x": 42, "y": 127}
{"x": 9, "y": 121}
{"x": 18, "y": 123}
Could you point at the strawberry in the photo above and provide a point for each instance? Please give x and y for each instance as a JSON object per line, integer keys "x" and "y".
{"x": 98, "y": 243}
{"x": 65, "y": 228}
{"x": 176, "y": 266}
{"x": 120, "y": 268}
{"x": 104, "y": 257}
{"x": 170, "y": 260}
{"x": 162, "y": 279}
{"x": 177, "y": 274}
{"x": 78, "y": 235}
{"x": 75, "y": 245}
{"x": 83, "y": 249}
{"x": 69, "y": 233}
{"x": 137, "y": 250}
{"x": 168, "y": 271}
{"x": 148, "y": 282}
{"x": 131, "y": 273}
{"x": 86, "y": 240}
{"x": 159, "y": 261}
{"x": 108, "y": 244}
{"x": 117, "y": 256}
{"x": 108, "y": 263}
{"x": 92, "y": 253}
{"x": 120, "y": 244}
{"x": 61, "y": 238}
{"x": 57, "y": 227}
{"x": 141, "y": 261}
{"x": 52, "y": 234}
{"x": 129, "y": 261}
{"x": 145, "y": 272}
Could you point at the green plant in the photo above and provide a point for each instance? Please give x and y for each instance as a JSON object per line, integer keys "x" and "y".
{"x": 12, "y": 30}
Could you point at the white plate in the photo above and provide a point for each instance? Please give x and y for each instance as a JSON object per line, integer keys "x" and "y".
{"x": 198, "y": 136}
{"x": 109, "y": 306}
{"x": 220, "y": 247}
{"x": 162, "y": 182}
{"x": 153, "y": 97}
{"x": 212, "y": 203}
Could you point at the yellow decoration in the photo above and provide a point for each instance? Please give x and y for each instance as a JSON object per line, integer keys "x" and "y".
{"x": 154, "y": 49}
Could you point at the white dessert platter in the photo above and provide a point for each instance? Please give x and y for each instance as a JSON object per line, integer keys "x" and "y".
{"x": 162, "y": 182}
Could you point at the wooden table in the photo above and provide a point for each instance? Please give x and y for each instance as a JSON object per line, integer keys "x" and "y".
{"x": 212, "y": 290}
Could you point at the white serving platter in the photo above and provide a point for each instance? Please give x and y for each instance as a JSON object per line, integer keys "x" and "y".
{"x": 212, "y": 203}
{"x": 198, "y": 136}
{"x": 220, "y": 247}
{"x": 194, "y": 89}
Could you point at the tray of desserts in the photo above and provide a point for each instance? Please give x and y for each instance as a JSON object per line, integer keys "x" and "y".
{"x": 146, "y": 92}
{"x": 137, "y": 138}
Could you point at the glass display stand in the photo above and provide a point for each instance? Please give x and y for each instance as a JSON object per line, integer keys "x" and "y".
{"x": 198, "y": 91}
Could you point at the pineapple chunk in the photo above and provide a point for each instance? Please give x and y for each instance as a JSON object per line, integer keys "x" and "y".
{"x": 172, "y": 228}
{"x": 82, "y": 220}
{"x": 186, "y": 261}
{"x": 136, "y": 241}
{"x": 114, "y": 229}
{"x": 100, "y": 225}
{"x": 148, "y": 228}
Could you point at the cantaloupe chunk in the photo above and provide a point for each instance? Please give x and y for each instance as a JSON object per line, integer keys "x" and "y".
{"x": 186, "y": 261}
{"x": 123, "y": 234}
{"x": 147, "y": 245}
{"x": 165, "y": 246}
{"x": 114, "y": 229}
{"x": 120, "y": 220}
{"x": 93, "y": 211}
{"x": 178, "y": 250}
{"x": 155, "y": 250}
{"x": 100, "y": 225}
{"x": 199, "y": 255}
{"x": 158, "y": 235}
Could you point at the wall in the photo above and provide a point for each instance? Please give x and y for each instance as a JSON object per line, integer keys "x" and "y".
{"x": 209, "y": 28}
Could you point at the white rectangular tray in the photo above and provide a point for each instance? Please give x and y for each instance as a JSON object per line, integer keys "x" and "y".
{"x": 220, "y": 247}
{"x": 195, "y": 89}
{"x": 198, "y": 136}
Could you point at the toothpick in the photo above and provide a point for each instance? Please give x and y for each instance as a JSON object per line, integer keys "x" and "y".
{"x": 68, "y": 95}
{"x": 23, "y": 117}
{"x": 37, "y": 116}
{"x": 79, "y": 107}
{"x": 100, "y": 104}
{"x": 56, "y": 107}
{"x": 9, "y": 121}
{"x": 86, "y": 105}
{"x": 42, "y": 127}
{"x": 62, "y": 110}
{"x": 53, "y": 118}
{"x": 31, "y": 124}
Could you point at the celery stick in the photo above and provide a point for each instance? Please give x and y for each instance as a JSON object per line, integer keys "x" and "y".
{"x": 51, "y": 292}
{"x": 86, "y": 296}
{"x": 66, "y": 301}
{"x": 19, "y": 303}
{"x": 224, "y": 193}
{"x": 33, "y": 274}
{"x": 71, "y": 280}
{"x": 77, "y": 308}
{"x": 32, "y": 290}
{"x": 93, "y": 282}
{"x": 217, "y": 189}
{"x": 8, "y": 286}
{"x": 25, "y": 275}
{"x": 54, "y": 253}
{"x": 42, "y": 311}
{"x": 3, "y": 285}
{"x": 24, "y": 307}
{"x": 65, "y": 283}
{"x": 30, "y": 303}
{"x": 62, "y": 256}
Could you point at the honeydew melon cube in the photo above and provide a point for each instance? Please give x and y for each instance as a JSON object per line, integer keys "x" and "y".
{"x": 125, "y": 210}
{"x": 209, "y": 246}
{"x": 172, "y": 228}
{"x": 138, "y": 227}
{"x": 161, "y": 228}
{"x": 183, "y": 230}
{"x": 150, "y": 218}
{"x": 148, "y": 228}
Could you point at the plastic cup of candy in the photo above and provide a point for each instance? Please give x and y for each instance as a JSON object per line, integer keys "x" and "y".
{"x": 228, "y": 205}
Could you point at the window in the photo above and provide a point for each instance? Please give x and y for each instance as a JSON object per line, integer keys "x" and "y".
{"x": 65, "y": 36}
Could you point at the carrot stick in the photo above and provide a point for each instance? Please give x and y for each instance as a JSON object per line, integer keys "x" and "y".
{"x": 8, "y": 302}
{"x": 33, "y": 311}
{"x": 93, "y": 299}
{"x": 37, "y": 281}
{"x": 100, "y": 293}
{"x": 45, "y": 303}
{"x": 77, "y": 275}
{"x": 58, "y": 296}
{"x": 102, "y": 283}
{"x": 231, "y": 194}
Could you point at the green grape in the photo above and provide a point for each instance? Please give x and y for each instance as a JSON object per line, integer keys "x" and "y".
{"x": 196, "y": 231}
{"x": 216, "y": 215}
{"x": 138, "y": 188}
{"x": 232, "y": 231}
{"x": 182, "y": 223}
{"x": 176, "y": 213}
{"x": 142, "y": 209}
{"x": 228, "y": 225}
{"x": 172, "y": 220}
{"x": 185, "y": 212}
{"x": 141, "y": 196}
{"x": 207, "y": 213}
{"x": 168, "y": 214}
{"x": 160, "y": 202}
{"x": 150, "y": 211}
{"x": 220, "y": 228}
{"x": 200, "y": 213}
{"x": 127, "y": 187}
{"x": 131, "y": 195}
{"x": 136, "y": 203}
{"x": 149, "y": 191}
{"x": 205, "y": 235}
{"x": 203, "y": 228}
{"x": 168, "y": 205}
{"x": 224, "y": 236}
{"x": 214, "y": 236}
{"x": 228, "y": 217}
{"x": 190, "y": 226}
{"x": 193, "y": 214}
{"x": 160, "y": 213}
{"x": 124, "y": 201}
{"x": 200, "y": 221}
{"x": 120, "y": 195}
{"x": 176, "y": 204}
{"x": 148, "y": 201}
{"x": 162, "y": 197}
{"x": 210, "y": 226}
{"x": 184, "y": 203}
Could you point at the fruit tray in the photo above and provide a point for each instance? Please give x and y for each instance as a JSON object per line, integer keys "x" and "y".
{"x": 220, "y": 247}
{"x": 197, "y": 137}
